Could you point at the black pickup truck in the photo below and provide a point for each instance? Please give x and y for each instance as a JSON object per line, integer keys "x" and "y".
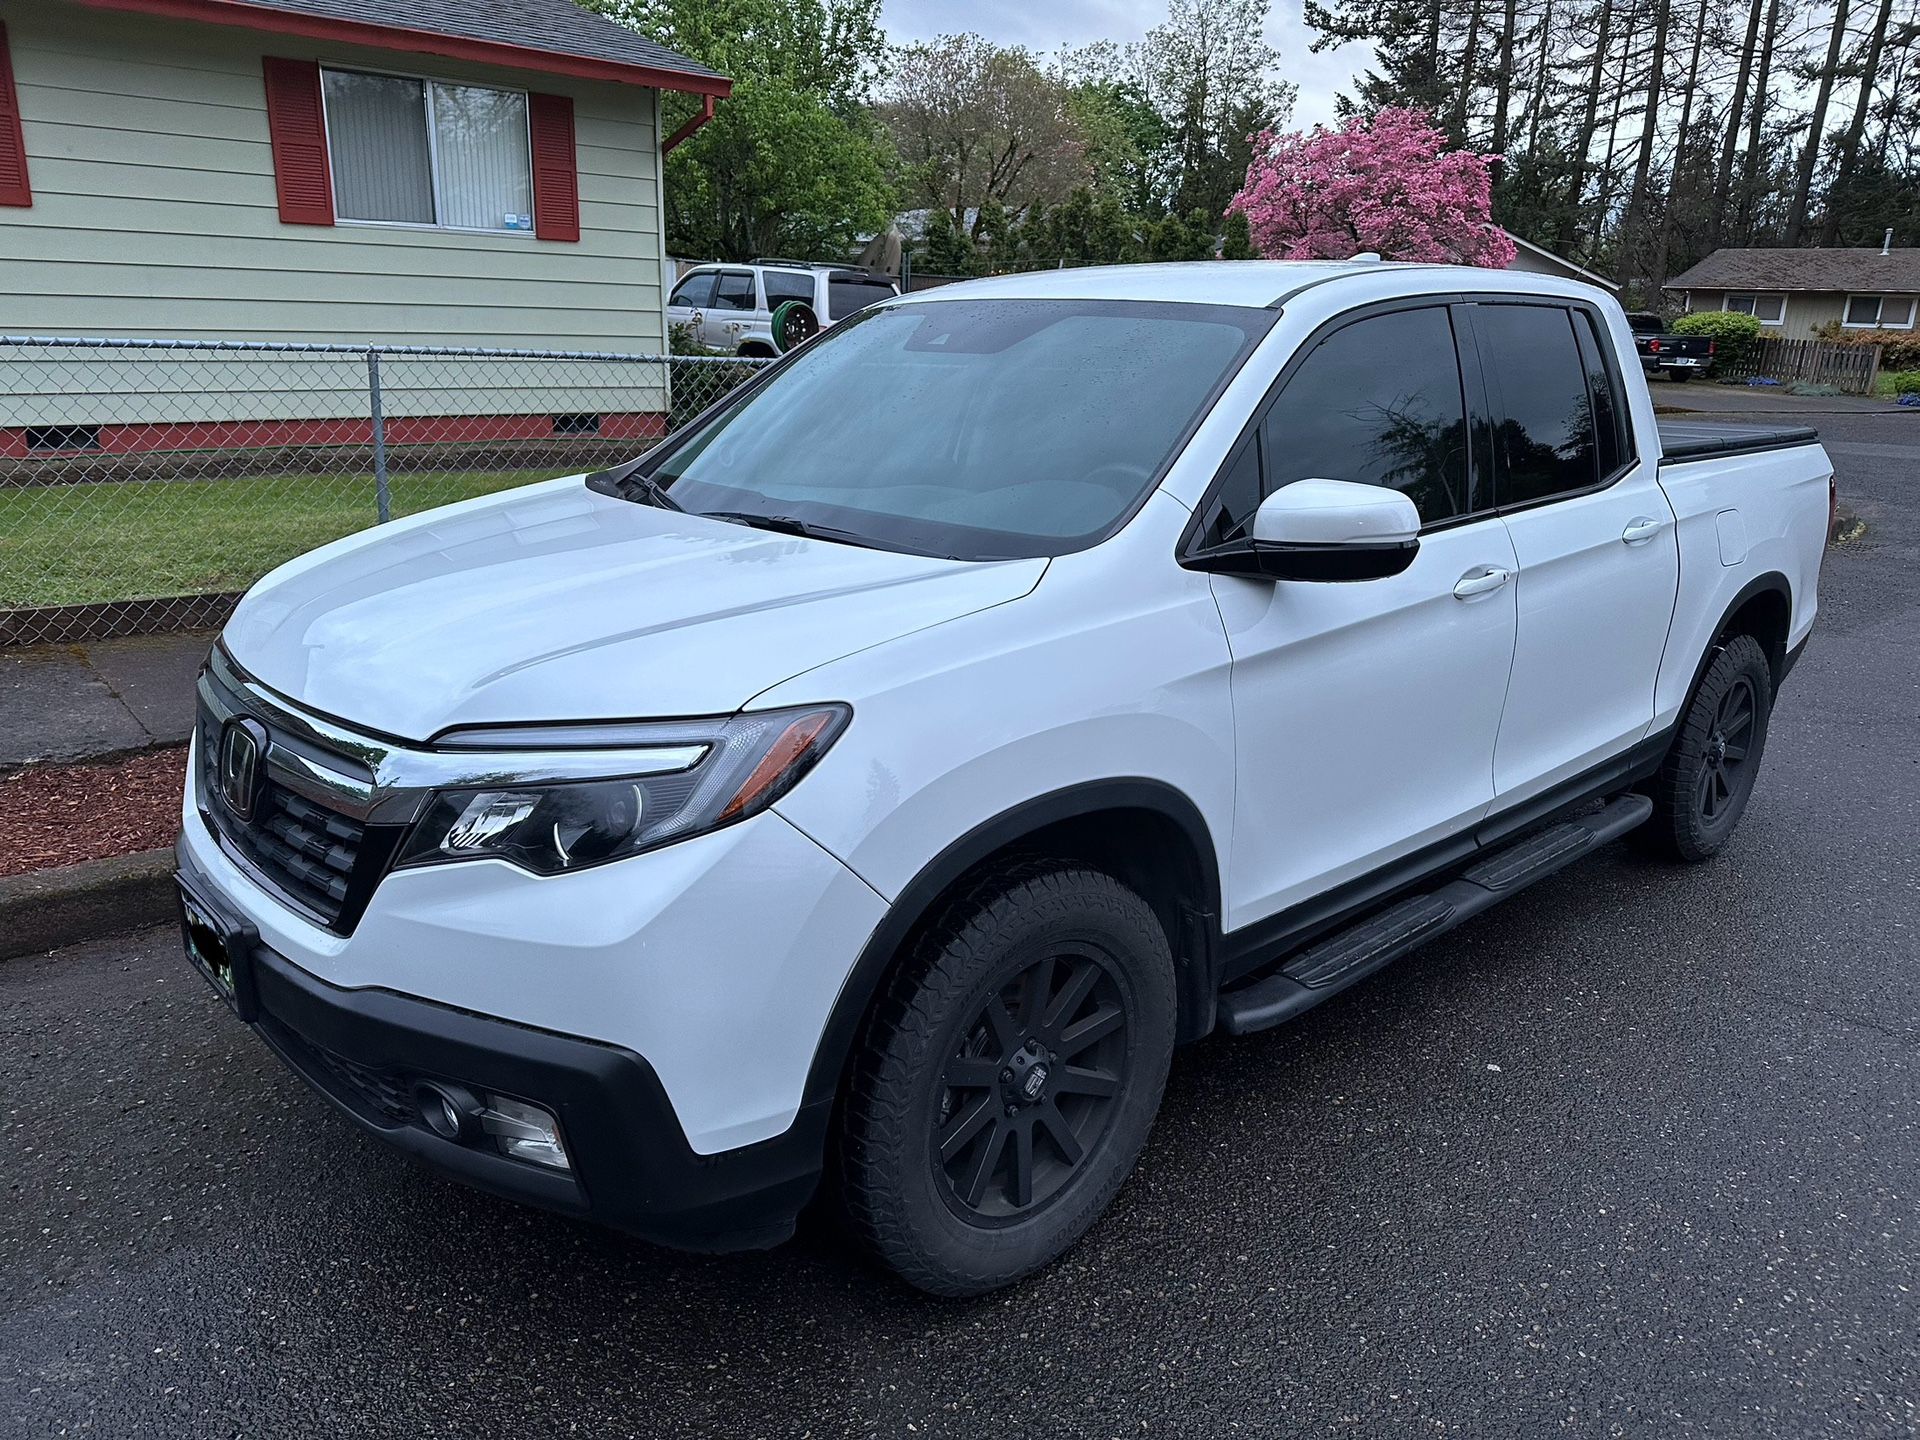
{"x": 1678, "y": 357}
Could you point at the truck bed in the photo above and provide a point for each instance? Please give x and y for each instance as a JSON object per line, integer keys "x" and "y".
{"x": 1686, "y": 441}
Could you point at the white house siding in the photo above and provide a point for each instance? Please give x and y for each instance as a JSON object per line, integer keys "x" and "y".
{"x": 1806, "y": 312}
{"x": 154, "y": 214}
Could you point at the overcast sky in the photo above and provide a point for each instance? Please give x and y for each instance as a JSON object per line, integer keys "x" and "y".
{"x": 1045, "y": 25}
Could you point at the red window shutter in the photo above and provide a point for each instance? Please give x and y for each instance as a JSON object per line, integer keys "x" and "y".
{"x": 14, "y": 189}
{"x": 298, "y": 126}
{"x": 556, "y": 176}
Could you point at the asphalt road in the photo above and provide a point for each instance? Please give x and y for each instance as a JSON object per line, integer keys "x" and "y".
{"x": 1636, "y": 1155}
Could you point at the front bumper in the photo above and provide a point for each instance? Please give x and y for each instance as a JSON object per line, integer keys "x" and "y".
{"x": 367, "y": 1051}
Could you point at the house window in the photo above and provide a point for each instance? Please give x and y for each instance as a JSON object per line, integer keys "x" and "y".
{"x": 1767, "y": 309}
{"x": 419, "y": 152}
{"x": 1879, "y": 312}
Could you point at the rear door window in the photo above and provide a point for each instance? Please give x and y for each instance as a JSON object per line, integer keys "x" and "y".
{"x": 1544, "y": 433}
{"x": 1613, "y": 443}
{"x": 735, "y": 290}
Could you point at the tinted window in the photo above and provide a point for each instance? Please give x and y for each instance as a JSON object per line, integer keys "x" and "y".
{"x": 1543, "y": 434}
{"x": 784, "y": 285}
{"x": 735, "y": 290}
{"x": 1378, "y": 402}
{"x": 971, "y": 428}
{"x": 1609, "y": 420}
{"x": 695, "y": 292}
{"x": 846, "y": 296}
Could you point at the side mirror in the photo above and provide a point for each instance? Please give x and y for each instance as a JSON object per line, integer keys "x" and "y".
{"x": 1332, "y": 530}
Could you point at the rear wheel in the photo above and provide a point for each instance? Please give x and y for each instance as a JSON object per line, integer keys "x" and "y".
{"x": 1008, "y": 1078}
{"x": 1703, "y": 785}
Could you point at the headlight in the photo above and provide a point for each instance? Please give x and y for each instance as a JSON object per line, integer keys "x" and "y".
{"x": 740, "y": 766}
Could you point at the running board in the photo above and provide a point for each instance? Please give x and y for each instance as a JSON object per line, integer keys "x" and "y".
{"x": 1350, "y": 955}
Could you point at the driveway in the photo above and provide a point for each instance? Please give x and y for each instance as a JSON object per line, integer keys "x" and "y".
{"x": 1636, "y": 1155}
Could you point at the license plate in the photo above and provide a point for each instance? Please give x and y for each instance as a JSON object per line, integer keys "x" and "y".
{"x": 220, "y": 947}
{"x": 1683, "y": 362}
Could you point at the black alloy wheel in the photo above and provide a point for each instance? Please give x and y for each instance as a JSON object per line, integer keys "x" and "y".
{"x": 1703, "y": 785}
{"x": 1032, "y": 1087}
{"x": 1724, "y": 776}
{"x": 1007, "y": 1075}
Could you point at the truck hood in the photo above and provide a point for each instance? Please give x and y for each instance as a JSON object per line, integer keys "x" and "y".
{"x": 555, "y": 602}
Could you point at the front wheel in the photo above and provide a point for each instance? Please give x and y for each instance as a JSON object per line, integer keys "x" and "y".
{"x": 1008, "y": 1077}
{"x": 1703, "y": 785}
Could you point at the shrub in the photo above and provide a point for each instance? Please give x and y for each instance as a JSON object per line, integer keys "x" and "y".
{"x": 1899, "y": 349}
{"x": 1905, "y": 382}
{"x": 1733, "y": 334}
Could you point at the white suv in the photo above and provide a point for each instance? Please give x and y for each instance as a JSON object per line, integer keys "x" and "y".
{"x": 889, "y": 770}
{"x": 730, "y": 307}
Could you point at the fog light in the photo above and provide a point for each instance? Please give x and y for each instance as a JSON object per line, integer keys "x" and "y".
{"x": 447, "y": 1110}
{"x": 524, "y": 1132}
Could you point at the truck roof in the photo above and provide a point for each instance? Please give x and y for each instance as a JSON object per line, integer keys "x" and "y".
{"x": 1241, "y": 282}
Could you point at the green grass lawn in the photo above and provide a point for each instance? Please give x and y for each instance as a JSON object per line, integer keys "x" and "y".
{"x": 126, "y": 540}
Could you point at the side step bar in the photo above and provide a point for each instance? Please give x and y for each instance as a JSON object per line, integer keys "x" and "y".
{"x": 1330, "y": 966}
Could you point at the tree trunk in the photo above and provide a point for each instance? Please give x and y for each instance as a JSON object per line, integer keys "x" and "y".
{"x": 1538, "y": 101}
{"x": 1663, "y": 247}
{"x": 1816, "y": 127}
{"x": 1750, "y": 171}
{"x": 1503, "y": 83}
{"x": 1723, "y": 177}
{"x": 1463, "y": 104}
{"x": 1857, "y": 127}
{"x": 1577, "y": 181}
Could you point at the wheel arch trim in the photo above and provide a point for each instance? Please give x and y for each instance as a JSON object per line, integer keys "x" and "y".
{"x": 918, "y": 897}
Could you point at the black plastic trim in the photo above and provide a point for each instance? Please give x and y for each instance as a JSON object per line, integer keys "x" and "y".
{"x": 1727, "y": 441}
{"x": 1255, "y": 946}
{"x": 633, "y": 1166}
{"x": 1199, "y": 978}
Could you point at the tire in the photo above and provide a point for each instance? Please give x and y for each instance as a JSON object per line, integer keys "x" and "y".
{"x": 1679, "y": 377}
{"x": 981, "y": 1040}
{"x": 1703, "y": 785}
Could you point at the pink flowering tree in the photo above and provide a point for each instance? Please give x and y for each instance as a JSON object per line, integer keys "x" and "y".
{"x": 1388, "y": 185}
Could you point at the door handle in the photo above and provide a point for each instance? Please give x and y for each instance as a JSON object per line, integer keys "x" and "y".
{"x": 1480, "y": 581}
{"x": 1641, "y": 529}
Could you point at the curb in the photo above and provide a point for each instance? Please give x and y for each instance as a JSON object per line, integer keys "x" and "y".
{"x": 50, "y": 909}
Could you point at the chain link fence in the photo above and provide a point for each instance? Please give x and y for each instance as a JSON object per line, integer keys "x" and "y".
{"x": 145, "y": 483}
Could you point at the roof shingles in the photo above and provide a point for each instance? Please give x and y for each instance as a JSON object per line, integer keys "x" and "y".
{"x": 560, "y": 29}
{"x": 1853, "y": 271}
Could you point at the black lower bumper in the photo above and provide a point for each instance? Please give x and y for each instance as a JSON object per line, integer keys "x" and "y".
{"x": 369, "y": 1050}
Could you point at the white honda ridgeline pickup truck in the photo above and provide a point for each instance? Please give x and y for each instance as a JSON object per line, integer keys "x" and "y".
{"x": 880, "y": 777}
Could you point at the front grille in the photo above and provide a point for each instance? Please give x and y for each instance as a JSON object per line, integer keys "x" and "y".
{"x": 312, "y": 856}
{"x": 379, "y": 1095}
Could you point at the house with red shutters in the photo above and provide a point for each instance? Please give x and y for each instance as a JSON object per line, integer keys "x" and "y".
{"x": 414, "y": 172}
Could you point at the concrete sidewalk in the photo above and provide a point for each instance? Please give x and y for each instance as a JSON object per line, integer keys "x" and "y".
{"x": 75, "y": 702}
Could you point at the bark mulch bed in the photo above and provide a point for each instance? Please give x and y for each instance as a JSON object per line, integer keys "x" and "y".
{"x": 62, "y": 814}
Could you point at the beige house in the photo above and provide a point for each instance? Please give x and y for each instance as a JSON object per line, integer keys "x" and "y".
{"x": 427, "y": 172}
{"x": 1793, "y": 293}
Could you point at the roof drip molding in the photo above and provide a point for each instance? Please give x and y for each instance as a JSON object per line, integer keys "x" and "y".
{"x": 551, "y": 37}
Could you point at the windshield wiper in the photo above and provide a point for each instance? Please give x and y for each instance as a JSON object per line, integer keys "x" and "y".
{"x": 792, "y": 525}
{"x": 630, "y": 482}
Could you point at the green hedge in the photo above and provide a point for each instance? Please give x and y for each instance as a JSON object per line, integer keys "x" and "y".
{"x": 1905, "y": 382}
{"x": 1733, "y": 334}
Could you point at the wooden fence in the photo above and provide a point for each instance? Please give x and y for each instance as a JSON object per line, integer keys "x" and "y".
{"x": 1850, "y": 369}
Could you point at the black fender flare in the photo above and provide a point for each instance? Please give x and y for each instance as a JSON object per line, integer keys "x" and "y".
{"x": 1198, "y": 973}
{"x": 1772, "y": 582}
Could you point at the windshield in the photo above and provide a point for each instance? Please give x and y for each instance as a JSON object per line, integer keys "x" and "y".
{"x": 978, "y": 429}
